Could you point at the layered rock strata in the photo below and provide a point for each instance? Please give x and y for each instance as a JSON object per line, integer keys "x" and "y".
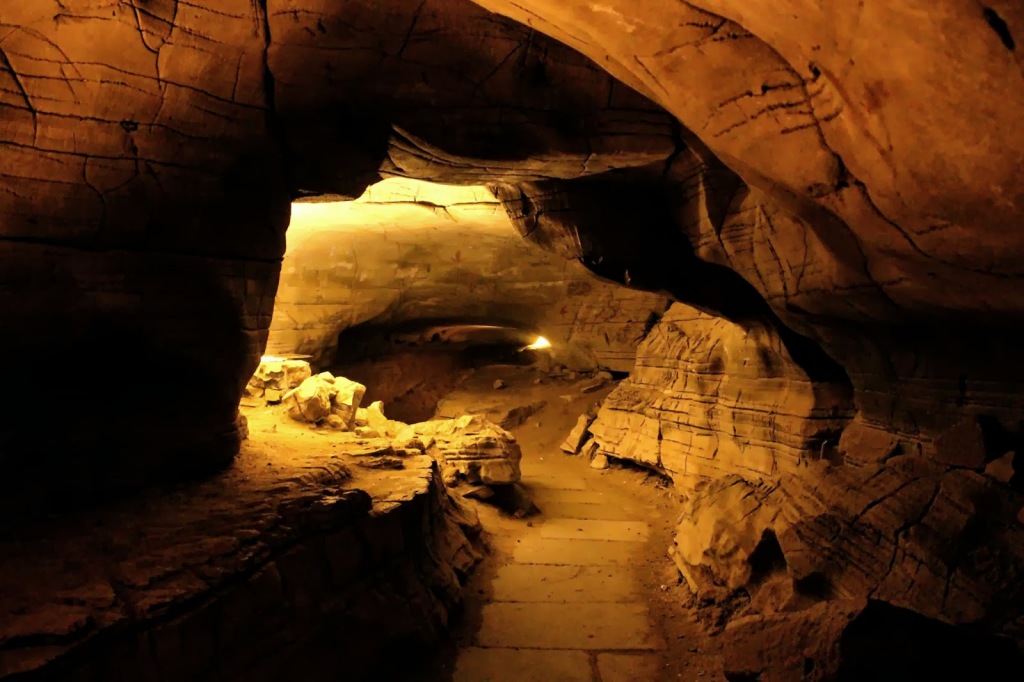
{"x": 774, "y": 463}
{"x": 291, "y": 564}
{"x": 409, "y": 253}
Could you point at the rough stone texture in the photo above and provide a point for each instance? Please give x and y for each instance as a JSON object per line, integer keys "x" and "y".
{"x": 275, "y": 376}
{"x": 709, "y": 397}
{"x": 574, "y": 441}
{"x": 407, "y": 253}
{"x": 149, "y": 151}
{"x": 287, "y": 565}
{"x": 472, "y": 448}
{"x": 812, "y": 116}
{"x": 856, "y": 510}
{"x": 854, "y": 640}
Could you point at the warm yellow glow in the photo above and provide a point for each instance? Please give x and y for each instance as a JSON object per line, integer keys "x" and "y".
{"x": 271, "y": 358}
{"x": 398, "y": 205}
{"x": 539, "y": 344}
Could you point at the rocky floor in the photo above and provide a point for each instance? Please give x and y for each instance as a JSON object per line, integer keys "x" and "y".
{"x": 583, "y": 590}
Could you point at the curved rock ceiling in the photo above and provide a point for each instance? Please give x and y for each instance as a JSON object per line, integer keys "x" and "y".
{"x": 410, "y": 254}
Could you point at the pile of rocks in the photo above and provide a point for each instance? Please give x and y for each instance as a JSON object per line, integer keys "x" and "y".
{"x": 276, "y": 376}
{"x": 473, "y": 449}
{"x": 469, "y": 448}
{"x": 326, "y": 399}
{"x": 581, "y": 441}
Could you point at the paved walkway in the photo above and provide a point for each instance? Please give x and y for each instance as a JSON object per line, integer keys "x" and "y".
{"x": 568, "y": 606}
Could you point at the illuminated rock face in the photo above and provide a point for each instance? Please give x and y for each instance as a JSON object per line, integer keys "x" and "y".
{"x": 150, "y": 154}
{"x": 410, "y": 253}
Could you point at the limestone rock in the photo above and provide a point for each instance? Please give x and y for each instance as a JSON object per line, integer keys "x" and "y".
{"x": 375, "y": 418}
{"x": 473, "y": 448}
{"x": 811, "y": 649}
{"x": 709, "y": 398}
{"x": 721, "y": 526}
{"x": 275, "y": 376}
{"x": 1001, "y": 469}
{"x": 517, "y": 415}
{"x": 311, "y": 401}
{"x": 599, "y": 462}
{"x": 857, "y": 640}
{"x": 347, "y": 397}
{"x": 961, "y": 445}
{"x": 499, "y": 384}
{"x": 579, "y": 434}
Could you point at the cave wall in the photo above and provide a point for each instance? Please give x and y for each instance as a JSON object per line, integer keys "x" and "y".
{"x": 136, "y": 159}
{"x": 149, "y": 151}
{"x": 844, "y": 178}
{"x": 709, "y": 398}
{"x": 410, "y": 255}
{"x": 862, "y": 503}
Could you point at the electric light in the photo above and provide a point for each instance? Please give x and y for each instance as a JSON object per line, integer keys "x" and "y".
{"x": 539, "y": 344}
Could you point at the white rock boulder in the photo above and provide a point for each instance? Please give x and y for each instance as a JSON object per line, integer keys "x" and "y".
{"x": 473, "y": 448}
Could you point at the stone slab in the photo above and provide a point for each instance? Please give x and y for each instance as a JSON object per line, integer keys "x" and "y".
{"x": 542, "y": 495}
{"x": 567, "y": 626}
{"x": 583, "y": 529}
{"x": 534, "y": 549}
{"x": 477, "y": 664}
{"x": 582, "y": 510}
{"x": 550, "y": 482}
{"x": 547, "y": 583}
{"x": 630, "y": 667}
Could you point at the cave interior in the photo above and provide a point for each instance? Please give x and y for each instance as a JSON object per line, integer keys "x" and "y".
{"x": 494, "y": 341}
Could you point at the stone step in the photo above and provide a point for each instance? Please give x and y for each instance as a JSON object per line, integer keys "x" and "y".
{"x": 534, "y": 549}
{"x": 546, "y": 583}
{"x": 587, "y": 626}
{"x": 556, "y": 508}
{"x": 543, "y": 495}
{"x": 477, "y": 664}
{"x": 630, "y": 667}
{"x": 540, "y": 482}
{"x": 582, "y": 529}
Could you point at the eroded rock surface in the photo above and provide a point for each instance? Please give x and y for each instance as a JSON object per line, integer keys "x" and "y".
{"x": 293, "y": 547}
{"x": 771, "y": 461}
{"x": 473, "y": 448}
{"x": 409, "y": 253}
{"x": 709, "y": 397}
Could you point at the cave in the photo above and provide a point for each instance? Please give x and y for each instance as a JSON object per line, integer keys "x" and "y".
{"x": 544, "y": 340}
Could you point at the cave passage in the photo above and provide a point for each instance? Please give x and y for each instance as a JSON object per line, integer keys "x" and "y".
{"x": 511, "y": 340}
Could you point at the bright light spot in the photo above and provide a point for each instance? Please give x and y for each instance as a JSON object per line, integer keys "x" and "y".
{"x": 539, "y": 344}
{"x": 271, "y": 358}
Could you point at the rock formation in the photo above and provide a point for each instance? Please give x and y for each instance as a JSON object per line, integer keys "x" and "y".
{"x": 835, "y": 188}
{"x": 473, "y": 449}
{"x": 775, "y": 463}
{"x": 409, "y": 253}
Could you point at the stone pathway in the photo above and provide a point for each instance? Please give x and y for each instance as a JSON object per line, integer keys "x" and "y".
{"x": 568, "y": 607}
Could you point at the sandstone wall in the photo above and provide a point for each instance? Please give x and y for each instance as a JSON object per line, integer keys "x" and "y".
{"x": 865, "y": 500}
{"x": 149, "y": 152}
{"x": 709, "y": 398}
{"x": 408, "y": 254}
